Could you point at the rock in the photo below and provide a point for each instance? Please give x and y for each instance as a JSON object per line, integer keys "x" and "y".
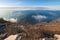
{"x": 3, "y": 36}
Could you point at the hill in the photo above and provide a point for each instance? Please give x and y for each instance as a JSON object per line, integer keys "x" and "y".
{"x": 34, "y": 31}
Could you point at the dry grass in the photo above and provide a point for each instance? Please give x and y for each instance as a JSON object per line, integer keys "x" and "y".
{"x": 34, "y": 32}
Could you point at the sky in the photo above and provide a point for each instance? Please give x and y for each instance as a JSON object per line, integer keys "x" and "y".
{"x": 30, "y": 3}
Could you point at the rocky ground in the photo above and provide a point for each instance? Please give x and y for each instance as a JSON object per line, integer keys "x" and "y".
{"x": 30, "y": 31}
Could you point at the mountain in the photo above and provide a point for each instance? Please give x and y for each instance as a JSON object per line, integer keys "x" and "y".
{"x": 29, "y": 31}
{"x": 36, "y": 16}
{"x": 31, "y": 16}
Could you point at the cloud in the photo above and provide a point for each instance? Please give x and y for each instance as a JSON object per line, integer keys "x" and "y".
{"x": 22, "y": 8}
{"x": 39, "y": 17}
{"x": 13, "y": 20}
{"x": 53, "y": 7}
{"x": 53, "y": 13}
{"x": 5, "y": 7}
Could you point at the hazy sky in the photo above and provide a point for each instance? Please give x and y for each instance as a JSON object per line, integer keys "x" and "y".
{"x": 29, "y": 3}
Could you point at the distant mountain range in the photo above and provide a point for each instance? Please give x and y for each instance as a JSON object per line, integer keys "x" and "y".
{"x": 24, "y": 8}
